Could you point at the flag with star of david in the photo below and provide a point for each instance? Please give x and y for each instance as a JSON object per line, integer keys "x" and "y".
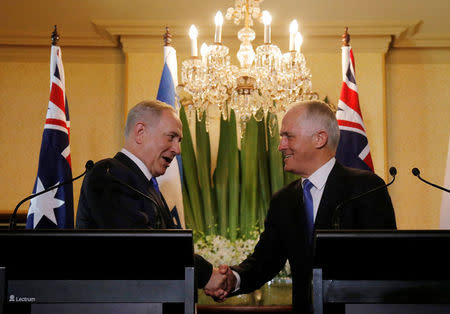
{"x": 353, "y": 149}
{"x": 54, "y": 209}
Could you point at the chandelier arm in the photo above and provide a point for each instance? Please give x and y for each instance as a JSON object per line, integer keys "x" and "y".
{"x": 246, "y": 13}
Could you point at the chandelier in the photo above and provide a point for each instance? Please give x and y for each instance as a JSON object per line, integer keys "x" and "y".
{"x": 266, "y": 80}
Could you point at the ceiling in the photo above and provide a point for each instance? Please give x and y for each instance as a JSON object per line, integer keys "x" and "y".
{"x": 25, "y": 22}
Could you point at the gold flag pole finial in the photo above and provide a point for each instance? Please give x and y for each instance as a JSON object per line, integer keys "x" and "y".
{"x": 346, "y": 38}
{"x": 167, "y": 37}
{"x": 55, "y": 37}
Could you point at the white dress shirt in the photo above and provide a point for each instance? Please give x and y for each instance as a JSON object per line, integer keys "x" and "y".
{"x": 138, "y": 163}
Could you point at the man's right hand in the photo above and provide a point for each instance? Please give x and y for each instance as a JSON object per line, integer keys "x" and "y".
{"x": 221, "y": 283}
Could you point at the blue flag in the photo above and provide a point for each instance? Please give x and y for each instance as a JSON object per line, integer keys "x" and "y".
{"x": 54, "y": 209}
{"x": 170, "y": 182}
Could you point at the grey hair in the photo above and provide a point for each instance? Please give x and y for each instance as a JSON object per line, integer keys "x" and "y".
{"x": 150, "y": 110}
{"x": 319, "y": 115}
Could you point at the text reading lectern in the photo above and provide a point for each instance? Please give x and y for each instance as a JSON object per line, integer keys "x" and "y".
{"x": 392, "y": 267}
{"x": 98, "y": 271}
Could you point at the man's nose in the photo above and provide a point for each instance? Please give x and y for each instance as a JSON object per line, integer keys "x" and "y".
{"x": 282, "y": 144}
{"x": 177, "y": 148}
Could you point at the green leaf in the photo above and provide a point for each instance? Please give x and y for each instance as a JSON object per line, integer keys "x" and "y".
{"x": 204, "y": 175}
{"x": 275, "y": 158}
{"x": 234, "y": 182}
{"x": 249, "y": 178}
{"x": 190, "y": 176}
{"x": 188, "y": 214}
{"x": 220, "y": 177}
{"x": 263, "y": 175}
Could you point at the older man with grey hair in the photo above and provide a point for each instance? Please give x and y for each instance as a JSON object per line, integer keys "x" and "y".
{"x": 309, "y": 138}
{"x": 153, "y": 133}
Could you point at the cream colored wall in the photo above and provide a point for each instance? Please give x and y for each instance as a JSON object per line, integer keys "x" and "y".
{"x": 370, "y": 77}
{"x": 418, "y": 120}
{"x": 94, "y": 87}
{"x": 99, "y": 81}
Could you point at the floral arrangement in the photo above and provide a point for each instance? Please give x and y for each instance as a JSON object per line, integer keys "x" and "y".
{"x": 219, "y": 250}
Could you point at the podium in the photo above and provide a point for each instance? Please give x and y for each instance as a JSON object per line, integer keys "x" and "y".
{"x": 95, "y": 271}
{"x": 391, "y": 267}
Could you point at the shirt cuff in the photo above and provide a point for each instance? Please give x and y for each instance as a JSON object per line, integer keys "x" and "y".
{"x": 238, "y": 281}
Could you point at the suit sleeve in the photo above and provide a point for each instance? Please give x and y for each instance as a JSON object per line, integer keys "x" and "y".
{"x": 375, "y": 210}
{"x": 203, "y": 270}
{"x": 267, "y": 259}
{"x": 105, "y": 204}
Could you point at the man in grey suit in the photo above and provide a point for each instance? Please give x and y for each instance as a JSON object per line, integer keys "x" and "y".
{"x": 309, "y": 138}
{"x": 153, "y": 133}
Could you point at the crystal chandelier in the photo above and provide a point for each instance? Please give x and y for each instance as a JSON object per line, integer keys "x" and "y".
{"x": 265, "y": 81}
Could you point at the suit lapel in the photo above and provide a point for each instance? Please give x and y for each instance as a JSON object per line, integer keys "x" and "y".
{"x": 297, "y": 215}
{"x": 334, "y": 189}
{"x": 122, "y": 158}
{"x": 162, "y": 206}
{"x": 146, "y": 187}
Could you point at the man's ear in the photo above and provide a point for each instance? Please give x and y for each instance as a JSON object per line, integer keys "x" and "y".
{"x": 320, "y": 139}
{"x": 139, "y": 132}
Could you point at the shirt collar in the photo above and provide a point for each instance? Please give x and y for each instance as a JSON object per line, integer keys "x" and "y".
{"x": 320, "y": 176}
{"x": 138, "y": 163}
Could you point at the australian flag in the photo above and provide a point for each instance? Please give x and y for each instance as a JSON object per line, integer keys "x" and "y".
{"x": 353, "y": 149}
{"x": 170, "y": 182}
{"x": 54, "y": 209}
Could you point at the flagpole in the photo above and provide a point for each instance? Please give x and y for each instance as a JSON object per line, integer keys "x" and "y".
{"x": 55, "y": 37}
{"x": 167, "y": 37}
{"x": 346, "y": 38}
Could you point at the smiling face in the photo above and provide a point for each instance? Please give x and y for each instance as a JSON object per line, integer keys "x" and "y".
{"x": 297, "y": 143}
{"x": 159, "y": 142}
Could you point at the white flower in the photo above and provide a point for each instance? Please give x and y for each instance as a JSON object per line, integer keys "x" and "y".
{"x": 220, "y": 250}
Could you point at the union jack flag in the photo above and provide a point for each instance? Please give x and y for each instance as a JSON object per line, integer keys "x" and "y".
{"x": 353, "y": 149}
{"x": 54, "y": 209}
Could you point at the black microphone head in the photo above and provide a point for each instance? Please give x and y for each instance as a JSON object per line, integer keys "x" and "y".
{"x": 415, "y": 171}
{"x": 89, "y": 165}
{"x": 393, "y": 171}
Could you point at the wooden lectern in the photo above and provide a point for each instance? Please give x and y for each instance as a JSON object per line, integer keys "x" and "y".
{"x": 391, "y": 267}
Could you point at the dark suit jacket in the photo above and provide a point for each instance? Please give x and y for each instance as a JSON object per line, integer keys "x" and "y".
{"x": 106, "y": 204}
{"x": 284, "y": 237}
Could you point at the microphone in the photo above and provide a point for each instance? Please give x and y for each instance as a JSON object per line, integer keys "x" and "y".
{"x": 416, "y": 172}
{"x": 336, "y": 219}
{"x": 12, "y": 220}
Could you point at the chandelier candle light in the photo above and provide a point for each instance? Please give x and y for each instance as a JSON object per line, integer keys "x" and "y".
{"x": 265, "y": 81}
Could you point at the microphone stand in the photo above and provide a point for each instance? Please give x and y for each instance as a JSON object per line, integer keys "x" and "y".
{"x": 416, "y": 172}
{"x": 336, "y": 219}
{"x": 12, "y": 219}
{"x": 108, "y": 168}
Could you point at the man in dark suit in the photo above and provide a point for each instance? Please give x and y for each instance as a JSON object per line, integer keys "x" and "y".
{"x": 309, "y": 138}
{"x": 153, "y": 133}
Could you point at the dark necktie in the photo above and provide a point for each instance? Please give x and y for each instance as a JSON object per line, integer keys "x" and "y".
{"x": 309, "y": 208}
{"x": 155, "y": 185}
{"x": 161, "y": 223}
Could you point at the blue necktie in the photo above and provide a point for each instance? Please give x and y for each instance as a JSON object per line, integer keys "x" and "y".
{"x": 155, "y": 185}
{"x": 309, "y": 208}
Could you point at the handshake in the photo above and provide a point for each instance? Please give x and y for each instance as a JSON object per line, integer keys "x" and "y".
{"x": 221, "y": 283}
